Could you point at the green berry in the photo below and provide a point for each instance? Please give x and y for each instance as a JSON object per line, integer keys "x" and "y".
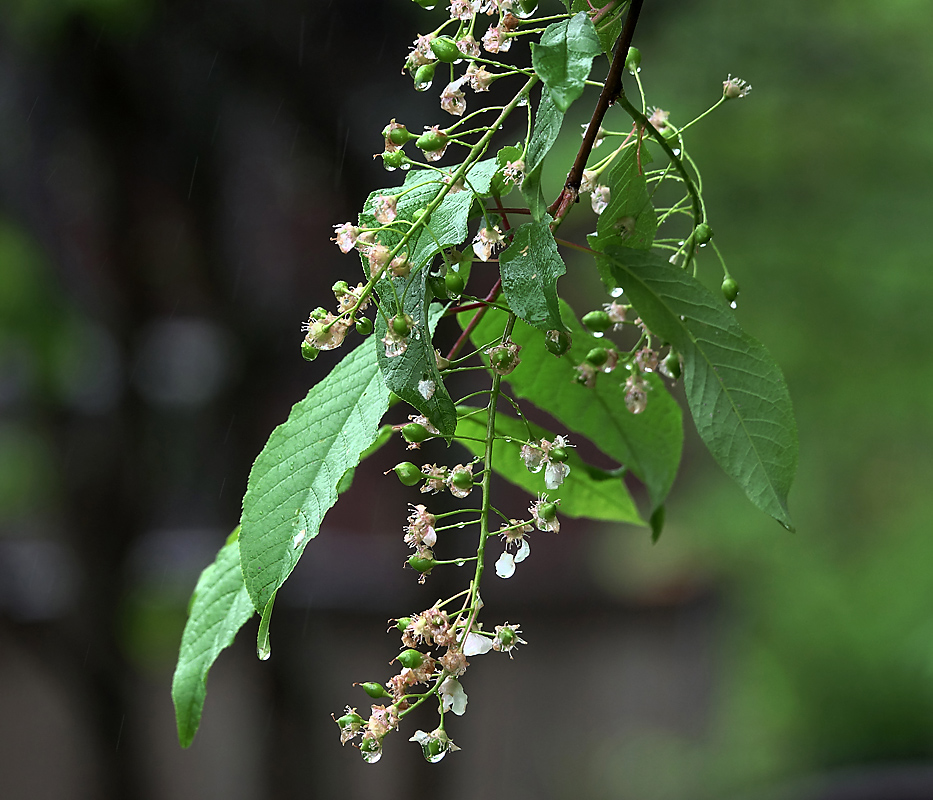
{"x": 446, "y": 49}
{"x": 597, "y": 321}
{"x": 453, "y": 283}
{"x": 408, "y": 473}
{"x": 400, "y": 325}
{"x": 730, "y": 289}
{"x": 398, "y": 135}
{"x": 340, "y": 288}
{"x": 350, "y": 720}
{"x": 506, "y": 637}
{"x": 402, "y": 623}
{"x": 374, "y": 690}
{"x": 557, "y": 342}
{"x": 560, "y": 454}
{"x": 672, "y": 364}
{"x": 597, "y": 356}
{"x": 410, "y": 658}
{"x": 462, "y": 479}
{"x": 702, "y": 234}
{"x": 309, "y": 352}
{"x": 370, "y": 746}
{"x": 528, "y": 6}
{"x": 415, "y": 432}
{"x": 319, "y": 313}
{"x": 364, "y": 326}
{"x": 419, "y": 564}
{"x": 431, "y": 140}
{"x": 393, "y": 160}
{"x": 438, "y": 286}
{"x": 500, "y": 359}
{"x": 423, "y": 77}
{"x": 633, "y": 60}
{"x": 433, "y": 748}
{"x": 547, "y": 511}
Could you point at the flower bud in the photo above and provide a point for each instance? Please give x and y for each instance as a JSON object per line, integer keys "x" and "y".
{"x": 597, "y": 321}
{"x": 408, "y": 473}
{"x": 410, "y": 658}
{"x": 446, "y": 49}
{"x": 730, "y": 289}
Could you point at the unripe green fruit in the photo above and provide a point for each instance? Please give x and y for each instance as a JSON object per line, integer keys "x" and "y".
{"x": 453, "y": 283}
{"x": 340, "y": 288}
{"x": 319, "y": 313}
{"x": 423, "y": 77}
{"x": 434, "y": 747}
{"x": 374, "y": 690}
{"x": 364, "y": 326}
{"x": 349, "y": 720}
{"x": 438, "y": 286}
{"x": 428, "y": 4}
{"x": 430, "y": 141}
{"x": 419, "y": 564}
{"x": 398, "y": 136}
{"x": 461, "y": 479}
{"x": 597, "y": 356}
{"x": 597, "y": 321}
{"x": 506, "y": 637}
{"x": 500, "y": 359}
{"x": 446, "y": 49}
{"x": 415, "y": 432}
{"x": 402, "y": 623}
{"x": 410, "y": 658}
{"x": 370, "y": 745}
{"x": 309, "y": 352}
{"x": 393, "y": 160}
{"x": 400, "y": 325}
{"x": 559, "y": 344}
{"x": 547, "y": 511}
{"x": 730, "y": 289}
{"x": 528, "y": 6}
{"x": 672, "y": 364}
{"x": 703, "y": 233}
{"x": 633, "y": 60}
{"x": 560, "y": 454}
{"x": 408, "y": 473}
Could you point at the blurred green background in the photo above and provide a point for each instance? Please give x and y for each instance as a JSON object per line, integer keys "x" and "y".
{"x": 168, "y": 182}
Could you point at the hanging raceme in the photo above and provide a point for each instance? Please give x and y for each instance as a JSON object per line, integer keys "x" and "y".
{"x": 471, "y": 241}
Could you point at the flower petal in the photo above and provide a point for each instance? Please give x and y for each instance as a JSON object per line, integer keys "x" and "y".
{"x": 505, "y": 566}
{"x": 523, "y": 551}
{"x": 476, "y": 645}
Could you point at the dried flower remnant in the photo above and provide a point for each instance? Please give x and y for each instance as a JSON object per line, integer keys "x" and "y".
{"x": 345, "y": 236}
{"x": 507, "y": 638}
{"x": 487, "y": 240}
{"x": 735, "y": 88}
{"x": 636, "y": 393}
{"x": 453, "y": 100}
{"x": 384, "y": 209}
{"x": 599, "y": 199}
{"x": 496, "y": 39}
{"x": 480, "y": 78}
{"x": 469, "y": 47}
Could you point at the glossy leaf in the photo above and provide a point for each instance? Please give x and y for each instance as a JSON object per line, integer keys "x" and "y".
{"x": 548, "y": 119}
{"x": 586, "y": 492}
{"x": 414, "y": 375}
{"x": 294, "y": 480}
{"x": 608, "y": 28}
{"x": 629, "y": 219}
{"x": 564, "y": 56}
{"x": 220, "y": 606}
{"x": 530, "y": 267}
{"x": 649, "y": 444}
{"x": 735, "y": 390}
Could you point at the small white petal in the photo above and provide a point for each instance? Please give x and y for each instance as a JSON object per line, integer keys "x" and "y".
{"x": 453, "y": 698}
{"x": 554, "y": 474}
{"x": 505, "y": 566}
{"x": 476, "y": 645}
{"x": 420, "y": 736}
{"x": 523, "y": 551}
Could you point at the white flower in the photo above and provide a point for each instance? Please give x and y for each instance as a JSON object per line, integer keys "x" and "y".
{"x": 453, "y": 698}
{"x": 600, "y": 198}
{"x": 475, "y": 644}
{"x": 554, "y": 474}
{"x": 485, "y": 242}
{"x": 505, "y": 566}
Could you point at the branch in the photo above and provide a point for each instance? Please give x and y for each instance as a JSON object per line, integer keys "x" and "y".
{"x": 612, "y": 91}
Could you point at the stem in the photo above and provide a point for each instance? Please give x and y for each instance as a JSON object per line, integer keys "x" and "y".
{"x": 611, "y": 92}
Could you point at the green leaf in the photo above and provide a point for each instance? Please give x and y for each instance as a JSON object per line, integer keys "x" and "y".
{"x": 564, "y": 56}
{"x": 294, "y": 480}
{"x": 263, "y": 643}
{"x": 548, "y": 120}
{"x": 649, "y": 444}
{"x": 385, "y": 433}
{"x": 530, "y": 267}
{"x": 630, "y": 218}
{"x": 414, "y": 375}
{"x": 608, "y": 28}
{"x": 586, "y": 491}
{"x": 735, "y": 390}
{"x": 220, "y": 606}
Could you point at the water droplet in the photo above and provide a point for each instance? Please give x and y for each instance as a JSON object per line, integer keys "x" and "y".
{"x": 615, "y": 293}
{"x": 460, "y": 562}
{"x": 423, "y": 87}
{"x": 598, "y": 334}
{"x": 433, "y": 759}
{"x": 523, "y": 101}
{"x": 371, "y": 757}
{"x": 299, "y": 538}
{"x": 461, "y": 524}
{"x": 676, "y": 151}
{"x": 388, "y": 168}
{"x": 733, "y": 304}
{"x": 264, "y": 652}
{"x": 406, "y": 165}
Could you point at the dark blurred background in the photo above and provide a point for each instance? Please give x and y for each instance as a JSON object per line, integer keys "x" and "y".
{"x": 169, "y": 175}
